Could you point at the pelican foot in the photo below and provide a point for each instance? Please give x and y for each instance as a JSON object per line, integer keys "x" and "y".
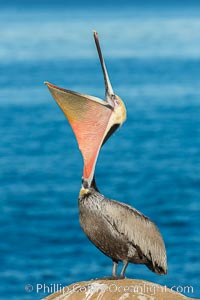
{"x": 111, "y": 278}
{"x": 107, "y": 278}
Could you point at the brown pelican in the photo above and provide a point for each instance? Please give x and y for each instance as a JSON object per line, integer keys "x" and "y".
{"x": 118, "y": 230}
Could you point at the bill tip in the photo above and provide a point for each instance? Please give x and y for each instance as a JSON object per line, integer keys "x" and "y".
{"x": 95, "y": 32}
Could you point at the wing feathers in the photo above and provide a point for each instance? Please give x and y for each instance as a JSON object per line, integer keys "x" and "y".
{"x": 138, "y": 230}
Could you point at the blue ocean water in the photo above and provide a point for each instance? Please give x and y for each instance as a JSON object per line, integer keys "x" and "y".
{"x": 151, "y": 163}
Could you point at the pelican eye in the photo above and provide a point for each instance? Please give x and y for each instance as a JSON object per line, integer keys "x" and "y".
{"x": 114, "y": 99}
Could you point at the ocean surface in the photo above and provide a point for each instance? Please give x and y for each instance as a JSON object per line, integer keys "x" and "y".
{"x": 151, "y": 163}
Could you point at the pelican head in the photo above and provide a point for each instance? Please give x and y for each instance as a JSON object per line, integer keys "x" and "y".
{"x": 93, "y": 120}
